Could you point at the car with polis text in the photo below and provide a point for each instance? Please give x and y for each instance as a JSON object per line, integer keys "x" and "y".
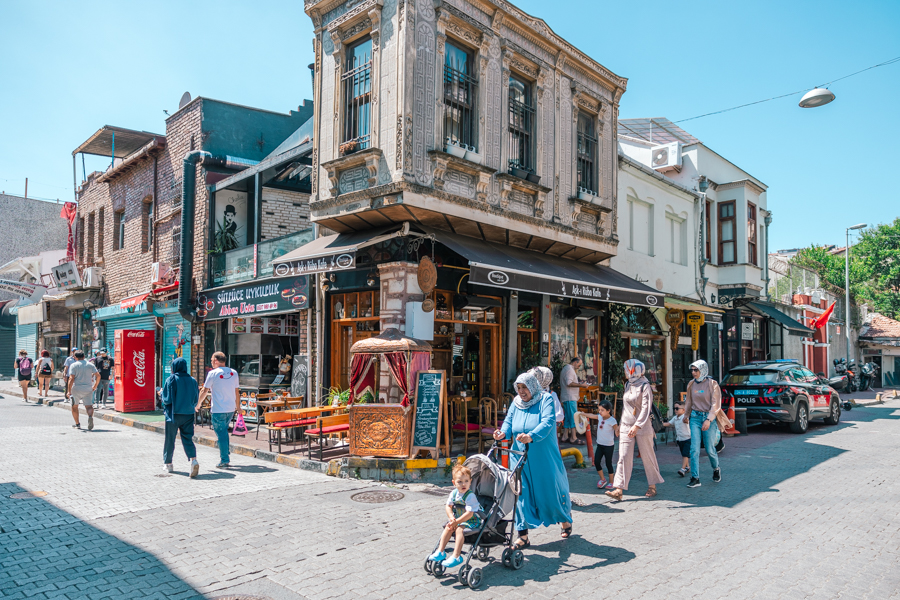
{"x": 781, "y": 391}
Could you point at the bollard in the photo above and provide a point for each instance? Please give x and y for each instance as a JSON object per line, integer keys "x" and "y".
{"x": 590, "y": 444}
{"x": 731, "y": 430}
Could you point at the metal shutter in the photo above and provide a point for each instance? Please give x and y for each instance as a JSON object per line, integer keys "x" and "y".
{"x": 147, "y": 322}
{"x": 26, "y": 339}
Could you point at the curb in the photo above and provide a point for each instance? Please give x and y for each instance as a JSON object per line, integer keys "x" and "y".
{"x": 288, "y": 461}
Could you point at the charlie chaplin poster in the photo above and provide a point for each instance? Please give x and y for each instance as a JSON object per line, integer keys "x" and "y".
{"x": 230, "y": 220}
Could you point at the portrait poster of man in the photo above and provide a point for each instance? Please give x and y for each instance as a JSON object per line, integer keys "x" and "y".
{"x": 230, "y": 220}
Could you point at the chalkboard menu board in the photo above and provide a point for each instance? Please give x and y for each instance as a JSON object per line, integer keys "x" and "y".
{"x": 430, "y": 396}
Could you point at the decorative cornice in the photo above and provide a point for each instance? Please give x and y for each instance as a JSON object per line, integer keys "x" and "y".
{"x": 748, "y": 183}
{"x": 460, "y": 25}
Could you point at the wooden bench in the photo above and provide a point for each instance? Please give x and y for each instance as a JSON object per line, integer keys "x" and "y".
{"x": 338, "y": 424}
{"x": 278, "y": 421}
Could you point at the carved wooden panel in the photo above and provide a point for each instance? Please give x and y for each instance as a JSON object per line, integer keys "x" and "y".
{"x": 379, "y": 430}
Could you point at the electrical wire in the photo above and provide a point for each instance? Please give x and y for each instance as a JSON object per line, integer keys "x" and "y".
{"x": 718, "y": 112}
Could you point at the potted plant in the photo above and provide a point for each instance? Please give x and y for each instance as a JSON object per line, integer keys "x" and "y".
{"x": 473, "y": 156}
{"x": 516, "y": 171}
{"x": 585, "y": 194}
{"x": 349, "y": 147}
{"x": 454, "y": 148}
{"x": 336, "y": 397}
{"x": 533, "y": 178}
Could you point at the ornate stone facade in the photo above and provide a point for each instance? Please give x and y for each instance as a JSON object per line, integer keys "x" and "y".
{"x": 407, "y": 113}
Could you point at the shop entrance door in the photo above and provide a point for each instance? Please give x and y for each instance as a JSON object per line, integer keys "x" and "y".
{"x": 681, "y": 370}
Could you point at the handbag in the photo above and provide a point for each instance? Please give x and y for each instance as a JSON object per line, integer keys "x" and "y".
{"x": 722, "y": 420}
{"x": 656, "y": 420}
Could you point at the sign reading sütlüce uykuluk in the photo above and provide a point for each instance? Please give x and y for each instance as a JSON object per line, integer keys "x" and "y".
{"x": 260, "y": 297}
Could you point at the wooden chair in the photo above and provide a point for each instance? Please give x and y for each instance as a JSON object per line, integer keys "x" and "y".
{"x": 338, "y": 424}
{"x": 506, "y": 400}
{"x": 261, "y": 411}
{"x": 489, "y": 423}
{"x": 612, "y": 398}
{"x": 459, "y": 421}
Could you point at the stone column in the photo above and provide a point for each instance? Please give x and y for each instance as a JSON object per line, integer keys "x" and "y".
{"x": 399, "y": 285}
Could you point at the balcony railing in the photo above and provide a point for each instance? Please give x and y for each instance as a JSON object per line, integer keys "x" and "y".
{"x": 252, "y": 262}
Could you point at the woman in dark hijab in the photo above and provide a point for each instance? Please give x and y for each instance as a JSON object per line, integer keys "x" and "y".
{"x": 180, "y": 393}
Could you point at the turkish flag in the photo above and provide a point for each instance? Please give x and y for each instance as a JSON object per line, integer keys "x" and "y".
{"x": 822, "y": 320}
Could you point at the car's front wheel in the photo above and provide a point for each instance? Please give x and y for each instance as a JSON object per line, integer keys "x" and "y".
{"x": 801, "y": 421}
{"x": 834, "y": 413}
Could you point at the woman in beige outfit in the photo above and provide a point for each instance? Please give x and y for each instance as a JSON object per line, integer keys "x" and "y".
{"x": 635, "y": 426}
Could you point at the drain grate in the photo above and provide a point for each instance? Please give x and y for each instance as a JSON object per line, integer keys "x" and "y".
{"x": 376, "y": 497}
{"x": 27, "y": 495}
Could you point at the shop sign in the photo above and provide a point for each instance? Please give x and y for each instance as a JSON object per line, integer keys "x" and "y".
{"x": 31, "y": 291}
{"x": 542, "y": 285}
{"x": 321, "y": 264}
{"x": 746, "y": 331}
{"x": 260, "y": 297}
{"x": 66, "y": 276}
{"x": 674, "y": 319}
{"x": 695, "y": 320}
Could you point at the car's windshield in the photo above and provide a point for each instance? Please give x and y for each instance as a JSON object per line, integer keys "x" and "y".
{"x": 756, "y": 376}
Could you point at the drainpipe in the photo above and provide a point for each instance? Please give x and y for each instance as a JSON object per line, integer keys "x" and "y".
{"x": 768, "y": 222}
{"x": 188, "y": 201}
{"x": 704, "y": 185}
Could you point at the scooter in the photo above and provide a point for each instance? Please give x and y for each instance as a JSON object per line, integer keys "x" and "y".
{"x": 867, "y": 376}
{"x": 846, "y": 379}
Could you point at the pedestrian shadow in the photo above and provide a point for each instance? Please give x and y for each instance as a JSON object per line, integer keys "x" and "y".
{"x": 542, "y": 568}
{"x": 45, "y": 548}
{"x": 251, "y": 469}
{"x": 212, "y": 475}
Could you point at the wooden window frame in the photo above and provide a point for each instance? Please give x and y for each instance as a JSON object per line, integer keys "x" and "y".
{"x": 119, "y": 230}
{"x": 708, "y": 231}
{"x": 752, "y": 234}
{"x": 101, "y": 225}
{"x": 521, "y": 118}
{"x": 92, "y": 218}
{"x": 586, "y": 152}
{"x": 147, "y": 225}
{"x": 357, "y": 107}
{"x": 719, "y": 221}
{"x": 81, "y": 235}
{"x": 460, "y": 93}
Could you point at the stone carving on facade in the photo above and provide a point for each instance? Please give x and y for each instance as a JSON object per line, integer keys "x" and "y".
{"x": 347, "y": 173}
{"x": 398, "y": 156}
{"x": 426, "y": 9}
{"x": 353, "y": 180}
{"x": 423, "y": 104}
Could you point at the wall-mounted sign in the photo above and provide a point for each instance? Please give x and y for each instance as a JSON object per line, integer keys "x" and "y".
{"x": 695, "y": 320}
{"x": 674, "y": 319}
{"x": 555, "y": 287}
{"x": 66, "y": 275}
{"x": 746, "y": 331}
{"x": 32, "y": 291}
{"x": 230, "y": 220}
{"x": 267, "y": 296}
{"x": 427, "y": 275}
{"x": 321, "y": 264}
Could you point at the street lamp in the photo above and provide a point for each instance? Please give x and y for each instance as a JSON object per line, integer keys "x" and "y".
{"x": 847, "y": 287}
{"x": 816, "y": 97}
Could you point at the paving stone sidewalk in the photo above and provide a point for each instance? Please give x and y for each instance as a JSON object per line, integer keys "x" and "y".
{"x": 809, "y": 516}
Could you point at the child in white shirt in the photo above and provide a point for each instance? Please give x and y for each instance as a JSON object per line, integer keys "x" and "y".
{"x": 682, "y": 436}
{"x": 462, "y": 508}
{"x": 607, "y": 432}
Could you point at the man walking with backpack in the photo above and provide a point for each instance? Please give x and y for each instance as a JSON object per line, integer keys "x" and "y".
{"x": 104, "y": 364}
{"x": 23, "y": 367}
{"x": 82, "y": 383}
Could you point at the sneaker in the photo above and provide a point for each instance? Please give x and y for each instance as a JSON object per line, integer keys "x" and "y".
{"x": 694, "y": 483}
{"x": 77, "y": 425}
{"x": 454, "y": 561}
{"x": 601, "y": 484}
{"x": 610, "y": 486}
{"x": 717, "y": 475}
{"x": 223, "y": 465}
{"x": 168, "y": 468}
{"x": 682, "y": 472}
{"x": 438, "y": 556}
{"x": 90, "y": 423}
{"x": 195, "y": 468}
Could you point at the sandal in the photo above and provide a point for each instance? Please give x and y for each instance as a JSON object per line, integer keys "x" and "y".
{"x": 651, "y": 491}
{"x": 615, "y": 495}
{"x": 566, "y": 531}
{"x": 521, "y": 543}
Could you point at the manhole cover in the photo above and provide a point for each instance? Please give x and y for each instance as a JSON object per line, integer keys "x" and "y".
{"x": 376, "y": 497}
{"x": 26, "y": 495}
{"x": 163, "y": 475}
{"x": 435, "y": 492}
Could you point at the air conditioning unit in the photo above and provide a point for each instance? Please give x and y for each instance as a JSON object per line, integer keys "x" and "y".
{"x": 817, "y": 296}
{"x": 92, "y": 277}
{"x": 666, "y": 158}
{"x": 161, "y": 273}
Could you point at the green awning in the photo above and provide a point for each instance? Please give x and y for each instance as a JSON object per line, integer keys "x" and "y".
{"x": 794, "y": 327}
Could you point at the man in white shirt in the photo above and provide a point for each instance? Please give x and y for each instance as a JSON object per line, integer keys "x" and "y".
{"x": 568, "y": 395}
{"x": 222, "y": 383}
{"x": 82, "y": 382}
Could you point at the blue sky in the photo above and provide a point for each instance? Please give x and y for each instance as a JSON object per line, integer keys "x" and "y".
{"x": 67, "y": 68}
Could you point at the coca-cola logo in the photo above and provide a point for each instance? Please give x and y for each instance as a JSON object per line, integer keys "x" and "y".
{"x": 139, "y": 334}
{"x": 140, "y": 365}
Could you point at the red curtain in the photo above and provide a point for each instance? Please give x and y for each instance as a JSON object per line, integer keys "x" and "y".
{"x": 399, "y": 366}
{"x": 362, "y": 375}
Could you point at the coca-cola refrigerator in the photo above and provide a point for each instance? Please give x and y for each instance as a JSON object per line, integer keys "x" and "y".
{"x": 134, "y": 371}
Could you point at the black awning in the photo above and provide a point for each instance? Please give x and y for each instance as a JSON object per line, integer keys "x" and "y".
{"x": 330, "y": 253}
{"x": 511, "y": 268}
{"x": 794, "y": 327}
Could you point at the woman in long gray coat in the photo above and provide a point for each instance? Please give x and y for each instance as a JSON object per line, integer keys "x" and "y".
{"x": 636, "y": 429}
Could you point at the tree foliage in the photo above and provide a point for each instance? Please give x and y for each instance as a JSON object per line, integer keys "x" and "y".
{"x": 874, "y": 268}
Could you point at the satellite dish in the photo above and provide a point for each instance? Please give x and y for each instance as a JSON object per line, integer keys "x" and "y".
{"x": 185, "y": 98}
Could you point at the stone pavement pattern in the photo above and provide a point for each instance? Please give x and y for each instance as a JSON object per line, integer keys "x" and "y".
{"x": 809, "y": 516}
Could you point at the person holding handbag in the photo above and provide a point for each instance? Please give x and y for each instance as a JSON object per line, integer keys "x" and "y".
{"x": 636, "y": 429}
{"x": 703, "y": 400}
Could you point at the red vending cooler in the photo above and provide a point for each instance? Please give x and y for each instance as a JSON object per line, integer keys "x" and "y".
{"x": 135, "y": 377}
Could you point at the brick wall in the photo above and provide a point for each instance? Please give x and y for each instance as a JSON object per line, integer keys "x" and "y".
{"x": 29, "y": 227}
{"x": 284, "y": 212}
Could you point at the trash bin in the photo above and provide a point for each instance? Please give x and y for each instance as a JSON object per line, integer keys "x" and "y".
{"x": 740, "y": 420}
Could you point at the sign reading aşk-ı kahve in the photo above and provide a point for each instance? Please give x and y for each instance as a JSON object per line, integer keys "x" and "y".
{"x": 260, "y": 297}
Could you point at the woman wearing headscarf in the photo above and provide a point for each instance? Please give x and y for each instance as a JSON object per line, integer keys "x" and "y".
{"x": 636, "y": 429}
{"x": 545, "y": 378}
{"x": 544, "y": 499}
{"x": 179, "y": 397}
{"x": 703, "y": 399}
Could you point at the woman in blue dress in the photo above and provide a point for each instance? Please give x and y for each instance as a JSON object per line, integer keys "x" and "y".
{"x": 545, "y": 487}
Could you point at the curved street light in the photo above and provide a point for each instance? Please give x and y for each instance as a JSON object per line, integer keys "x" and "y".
{"x": 816, "y": 97}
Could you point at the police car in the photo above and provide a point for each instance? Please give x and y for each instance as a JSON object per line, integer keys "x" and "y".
{"x": 781, "y": 391}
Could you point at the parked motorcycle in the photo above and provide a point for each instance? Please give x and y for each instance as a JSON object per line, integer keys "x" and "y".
{"x": 838, "y": 382}
{"x": 846, "y": 373}
{"x": 868, "y": 373}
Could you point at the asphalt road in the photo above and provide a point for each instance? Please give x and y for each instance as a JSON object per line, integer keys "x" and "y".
{"x": 811, "y": 516}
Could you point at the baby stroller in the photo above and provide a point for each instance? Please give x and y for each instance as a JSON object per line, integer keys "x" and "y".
{"x": 497, "y": 489}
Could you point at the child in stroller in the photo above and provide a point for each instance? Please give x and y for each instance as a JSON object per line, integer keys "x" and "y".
{"x": 492, "y": 486}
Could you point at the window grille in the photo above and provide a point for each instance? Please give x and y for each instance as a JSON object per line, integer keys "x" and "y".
{"x": 460, "y": 92}
{"x": 521, "y": 125}
{"x": 176, "y": 245}
{"x": 587, "y": 154}
{"x": 356, "y": 81}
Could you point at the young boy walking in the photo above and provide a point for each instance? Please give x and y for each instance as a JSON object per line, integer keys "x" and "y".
{"x": 682, "y": 437}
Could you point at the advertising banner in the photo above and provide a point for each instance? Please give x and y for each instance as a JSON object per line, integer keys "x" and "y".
{"x": 267, "y": 296}
{"x": 31, "y": 291}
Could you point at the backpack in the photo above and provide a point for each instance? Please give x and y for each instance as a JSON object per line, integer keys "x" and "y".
{"x": 25, "y": 366}
{"x": 45, "y": 368}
